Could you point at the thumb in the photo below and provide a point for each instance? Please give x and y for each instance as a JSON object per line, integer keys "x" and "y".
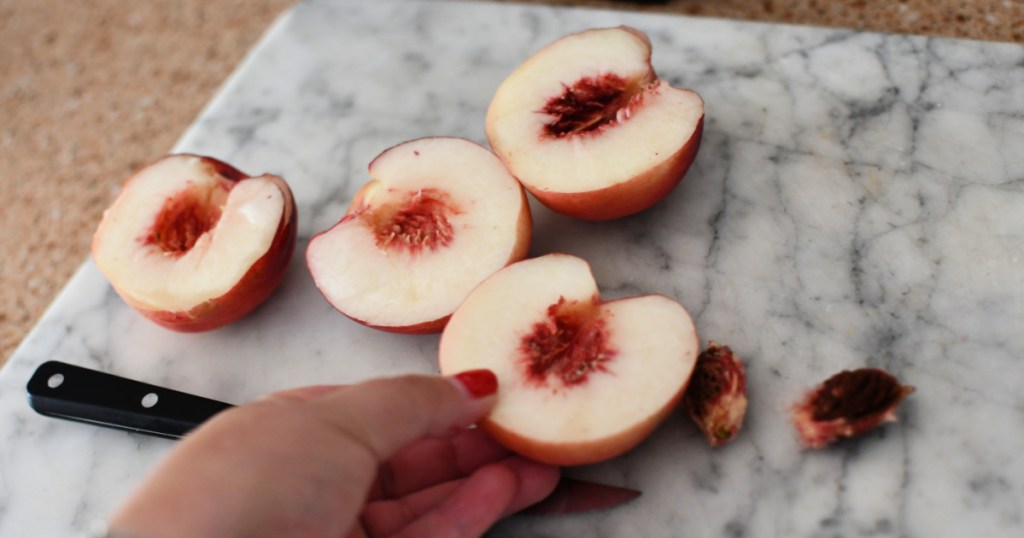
{"x": 387, "y": 414}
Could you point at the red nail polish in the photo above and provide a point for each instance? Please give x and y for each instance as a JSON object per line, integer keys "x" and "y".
{"x": 478, "y": 383}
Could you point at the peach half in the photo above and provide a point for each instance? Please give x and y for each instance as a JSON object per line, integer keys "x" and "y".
{"x": 193, "y": 244}
{"x": 580, "y": 380}
{"x": 438, "y": 217}
{"x": 590, "y": 130}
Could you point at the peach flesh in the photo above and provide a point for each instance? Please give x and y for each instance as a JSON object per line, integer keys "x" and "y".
{"x": 589, "y": 105}
{"x": 629, "y": 197}
{"x": 184, "y": 218}
{"x": 570, "y": 343}
{"x": 253, "y": 289}
{"x": 420, "y": 223}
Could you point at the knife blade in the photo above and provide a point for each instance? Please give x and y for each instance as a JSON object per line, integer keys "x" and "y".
{"x": 572, "y": 496}
{"x": 66, "y": 391}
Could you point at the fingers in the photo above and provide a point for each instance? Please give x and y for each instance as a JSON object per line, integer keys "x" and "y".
{"x": 536, "y": 481}
{"x": 464, "y": 508}
{"x": 433, "y": 460}
{"x": 472, "y": 508}
{"x": 387, "y": 414}
{"x": 320, "y": 449}
{"x": 470, "y": 505}
{"x": 386, "y": 517}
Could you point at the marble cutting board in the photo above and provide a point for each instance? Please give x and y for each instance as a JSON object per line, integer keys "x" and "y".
{"x": 858, "y": 200}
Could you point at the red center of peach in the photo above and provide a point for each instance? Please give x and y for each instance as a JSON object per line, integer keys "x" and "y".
{"x": 588, "y": 105}
{"x": 183, "y": 218}
{"x": 420, "y": 222}
{"x": 570, "y": 343}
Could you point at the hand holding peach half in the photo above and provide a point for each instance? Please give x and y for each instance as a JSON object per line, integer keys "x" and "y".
{"x": 581, "y": 379}
{"x": 589, "y": 128}
{"x": 438, "y": 216}
{"x": 194, "y": 244}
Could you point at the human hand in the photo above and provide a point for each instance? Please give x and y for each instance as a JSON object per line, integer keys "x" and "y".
{"x": 388, "y": 457}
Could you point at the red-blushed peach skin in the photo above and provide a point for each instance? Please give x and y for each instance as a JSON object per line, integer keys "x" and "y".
{"x": 583, "y": 453}
{"x": 254, "y": 288}
{"x": 628, "y": 197}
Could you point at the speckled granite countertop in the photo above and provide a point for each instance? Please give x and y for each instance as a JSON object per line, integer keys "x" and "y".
{"x": 91, "y": 90}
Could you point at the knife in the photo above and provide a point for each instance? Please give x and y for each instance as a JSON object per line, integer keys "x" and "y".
{"x": 70, "y": 392}
{"x": 61, "y": 390}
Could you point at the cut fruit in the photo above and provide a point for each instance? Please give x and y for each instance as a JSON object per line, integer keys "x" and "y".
{"x": 590, "y": 130}
{"x": 194, "y": 244}
{"x": 439, "y": 216}
{"x": 581, "y": 380}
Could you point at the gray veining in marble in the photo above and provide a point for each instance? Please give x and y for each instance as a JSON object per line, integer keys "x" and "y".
{"x": 857, "y": 201}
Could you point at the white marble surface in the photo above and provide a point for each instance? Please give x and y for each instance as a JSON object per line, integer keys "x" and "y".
{"x": 857, "y": 201}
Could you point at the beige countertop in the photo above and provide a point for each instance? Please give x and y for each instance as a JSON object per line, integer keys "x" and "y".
{"x": 90, "y": 90}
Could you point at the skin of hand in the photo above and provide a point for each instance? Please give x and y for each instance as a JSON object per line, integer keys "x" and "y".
{"x": 387, "y": 457}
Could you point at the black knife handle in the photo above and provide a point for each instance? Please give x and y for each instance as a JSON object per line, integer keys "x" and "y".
{"x": 71, "y": 392}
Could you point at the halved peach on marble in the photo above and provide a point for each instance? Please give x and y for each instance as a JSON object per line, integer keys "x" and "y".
{"x": 438, "y": 217}
{"x": 589, "y": 128}
{"x": 193, "y": 244}
{"x": 581, "y": 379}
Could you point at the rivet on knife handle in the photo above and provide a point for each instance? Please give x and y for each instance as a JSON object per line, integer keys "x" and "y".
{"x": 72, "y": 392}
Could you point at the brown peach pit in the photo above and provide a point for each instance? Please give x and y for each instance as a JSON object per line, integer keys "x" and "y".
{"x": 848, "y": 404}
{"x": 717, "y": 396}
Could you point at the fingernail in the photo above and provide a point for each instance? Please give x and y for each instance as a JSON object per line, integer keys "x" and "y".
{"x": 478, "y": 383}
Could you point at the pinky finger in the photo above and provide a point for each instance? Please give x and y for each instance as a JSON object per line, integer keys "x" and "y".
{"x": 479, "y": 502}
